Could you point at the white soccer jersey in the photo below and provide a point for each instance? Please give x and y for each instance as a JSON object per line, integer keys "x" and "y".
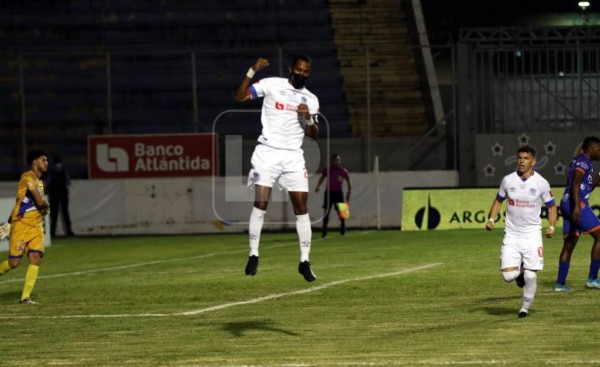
{"x": 281, "y": 126}
{"x": 524, "y": 204}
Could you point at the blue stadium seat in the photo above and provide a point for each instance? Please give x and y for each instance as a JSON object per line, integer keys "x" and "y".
{"x": 150, "y": 46}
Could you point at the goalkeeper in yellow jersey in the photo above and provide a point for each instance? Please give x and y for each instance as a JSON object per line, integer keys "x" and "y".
{"x": 25, "y": 226}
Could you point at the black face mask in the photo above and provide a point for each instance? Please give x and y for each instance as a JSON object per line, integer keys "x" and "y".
{"x": 297, "y": 80}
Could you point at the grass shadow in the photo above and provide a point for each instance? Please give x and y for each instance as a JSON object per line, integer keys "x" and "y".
{"x": 10, "y": 296}
{"x": 499, "y": 311}
{"x": 239, "y": 328}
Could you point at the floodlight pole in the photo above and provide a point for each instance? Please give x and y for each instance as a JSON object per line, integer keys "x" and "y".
{"x": 368, "y": 87}
{"x": 23, "y": 113}
{"x": 194, "y": 92}
{"x": 108, "y": 95}
{"x": 377, "y": 191}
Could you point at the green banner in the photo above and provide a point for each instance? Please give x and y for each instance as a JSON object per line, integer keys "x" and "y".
{"x": 426, "y": 209}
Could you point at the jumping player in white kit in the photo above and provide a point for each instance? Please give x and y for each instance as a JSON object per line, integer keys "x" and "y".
{"x": 522, "y": 252}
{"x": 289, "y": 112}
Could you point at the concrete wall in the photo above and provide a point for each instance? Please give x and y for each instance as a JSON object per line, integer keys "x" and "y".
{"x": 223, "y": 204}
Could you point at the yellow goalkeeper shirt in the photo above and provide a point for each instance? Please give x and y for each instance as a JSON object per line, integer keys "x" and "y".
{"x": 25, "y": 210}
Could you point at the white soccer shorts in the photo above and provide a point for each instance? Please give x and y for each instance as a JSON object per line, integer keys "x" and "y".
{"x": 271, "y": 165}
{"x": 527, "y": 248}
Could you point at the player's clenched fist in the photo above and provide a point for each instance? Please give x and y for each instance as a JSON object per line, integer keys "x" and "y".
{"x": 260, "y": 64}
{"x": 303, "y": 111}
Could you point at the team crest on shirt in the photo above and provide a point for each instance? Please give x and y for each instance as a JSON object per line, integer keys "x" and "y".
{"x": 532, "y": 191}
{"x": 303, "y": 99}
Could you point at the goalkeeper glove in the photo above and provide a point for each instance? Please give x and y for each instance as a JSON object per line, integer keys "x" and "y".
{"x": 4, "y": 231}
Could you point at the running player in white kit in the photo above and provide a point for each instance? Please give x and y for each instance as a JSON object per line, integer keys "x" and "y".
{"x": 289, "y": 112}
{"x": 522, "y": 252}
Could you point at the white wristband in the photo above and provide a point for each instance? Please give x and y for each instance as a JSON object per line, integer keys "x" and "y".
{"x": 310, "y": 122}
{"x": 551, "y": 228}
{"x": 250, "y": 73}
{"x": 491, "y": 220}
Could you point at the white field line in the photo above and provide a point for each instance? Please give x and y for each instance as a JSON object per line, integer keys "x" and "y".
{"x": 382, "y": 363}
{"x": 307, "y": 290}
{"x": 233, "y": 304}
{"x": 138, "y": 265}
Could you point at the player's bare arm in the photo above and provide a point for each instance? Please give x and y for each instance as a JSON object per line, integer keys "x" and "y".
{"x": 312, "y": 129}
{"x": 596, "y": 181}
{"x": 494, "y": 210}
{"x": 349, "y": 188}
{"x": 552, "y": 218}
{"x": 575, "y": 188}
{"x": 242, "y": 94}
{"x": 321, "y": 179}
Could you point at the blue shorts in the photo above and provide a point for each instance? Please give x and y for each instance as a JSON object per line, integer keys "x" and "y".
{"x": 588, "y": 221}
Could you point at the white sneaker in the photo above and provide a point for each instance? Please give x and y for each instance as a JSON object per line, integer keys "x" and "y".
{"x": 561, "y": 288}
{"x": 592, "y": 283}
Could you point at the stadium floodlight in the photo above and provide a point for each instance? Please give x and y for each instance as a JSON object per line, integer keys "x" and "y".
{"x": 583, "y": 4}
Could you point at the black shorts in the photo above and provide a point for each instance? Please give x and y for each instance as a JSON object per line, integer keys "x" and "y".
{"x": 332, "y": 197}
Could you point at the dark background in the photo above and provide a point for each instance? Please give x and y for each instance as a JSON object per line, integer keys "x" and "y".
{"x": 445, "y": 18}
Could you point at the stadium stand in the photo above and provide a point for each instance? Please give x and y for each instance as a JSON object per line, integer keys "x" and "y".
{"x": 397, "y": 105}
{"x": 127, "y": 68}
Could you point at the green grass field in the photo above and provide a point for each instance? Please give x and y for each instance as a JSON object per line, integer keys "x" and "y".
{"x": 385, "y": 298}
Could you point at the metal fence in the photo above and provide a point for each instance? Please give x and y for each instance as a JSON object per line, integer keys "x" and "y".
{"x": 530, "y": 79}
{"x": 525, "y": 80}
{"x": 536, "y": 90}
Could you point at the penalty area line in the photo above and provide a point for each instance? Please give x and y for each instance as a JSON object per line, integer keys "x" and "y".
{"x": 233, "y": 304}
{"x": 303, "y": 291}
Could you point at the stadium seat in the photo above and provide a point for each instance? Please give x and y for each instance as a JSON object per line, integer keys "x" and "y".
{"x": 147, "y": 49}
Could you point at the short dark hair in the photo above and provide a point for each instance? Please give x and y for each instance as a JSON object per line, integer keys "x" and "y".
{"x": 527, "y": 149}
{"x": 589, "y": 141}
{"x": 34, "y": 154}
{"x": 335, "y": 156}
{"x": 300, "y": 57}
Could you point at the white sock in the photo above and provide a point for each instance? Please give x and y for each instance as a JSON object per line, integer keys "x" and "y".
{"x": 304, "y": 235}
{"x": 257, "y": 218}
{"x": 529, "y": 289}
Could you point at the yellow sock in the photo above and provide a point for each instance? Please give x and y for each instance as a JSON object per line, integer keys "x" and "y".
{"x": 4, "y": 267}
{"x": 30, "y": 278}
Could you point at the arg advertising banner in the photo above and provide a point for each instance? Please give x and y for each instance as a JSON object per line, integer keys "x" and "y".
{"x": 427, "y": 209}
{"x": 160, "y": 155}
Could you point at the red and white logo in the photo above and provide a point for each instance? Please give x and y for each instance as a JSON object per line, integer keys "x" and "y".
{"x": 111, "y": 159}
{"x": 134, "y": 156}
